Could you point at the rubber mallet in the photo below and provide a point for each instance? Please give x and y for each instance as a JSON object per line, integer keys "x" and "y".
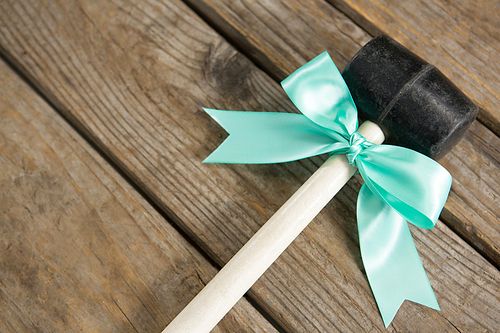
{"x": 400, "y": 97}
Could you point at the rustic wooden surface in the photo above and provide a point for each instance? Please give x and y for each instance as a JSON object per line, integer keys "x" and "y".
{"x": 277, "y": 35}
{"x": 131, "y": 77}
{"x": 460, "y": 37}
{"x": 80, "y": 249}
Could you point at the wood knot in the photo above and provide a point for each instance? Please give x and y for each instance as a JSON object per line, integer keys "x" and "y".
{"x": 229, "y": 72}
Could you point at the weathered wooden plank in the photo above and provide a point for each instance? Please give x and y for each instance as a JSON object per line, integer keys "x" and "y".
{"x": 132, "y": 76}
{"x": 80, "y": 250}
{"x": 460, "y": 37}
{"x": 473, "y": 209}
{"x": 283, "y": 36}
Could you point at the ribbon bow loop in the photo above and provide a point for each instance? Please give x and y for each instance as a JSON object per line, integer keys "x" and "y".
{"x": 318, "y": 90}
{"x": 400, "y": 184}
{"x": 414, "y": 185}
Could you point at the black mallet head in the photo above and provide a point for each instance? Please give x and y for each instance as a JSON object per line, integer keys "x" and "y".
{"x": 414, "y": 104}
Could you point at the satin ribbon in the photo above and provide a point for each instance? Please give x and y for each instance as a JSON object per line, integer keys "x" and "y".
{"x": 400, "y": 184}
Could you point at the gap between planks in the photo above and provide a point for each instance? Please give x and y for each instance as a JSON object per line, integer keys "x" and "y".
{"x": 123, "y": 172}
{"x": 113, "y": 162}
{"x": 294, "y": 174}
{"x": 85, "y": 251}
{"x": 219, "y": 15}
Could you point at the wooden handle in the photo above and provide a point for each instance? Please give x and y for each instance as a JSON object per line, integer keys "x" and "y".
{"x": 255, "y": 257}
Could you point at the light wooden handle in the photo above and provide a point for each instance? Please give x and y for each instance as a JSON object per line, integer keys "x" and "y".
{"x": 255, "y": 257}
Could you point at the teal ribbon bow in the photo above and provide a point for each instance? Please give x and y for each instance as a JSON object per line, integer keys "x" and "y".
{"x": 400, "y": 184}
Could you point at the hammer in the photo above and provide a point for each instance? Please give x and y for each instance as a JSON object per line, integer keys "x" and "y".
{"x": 401, "y": 99}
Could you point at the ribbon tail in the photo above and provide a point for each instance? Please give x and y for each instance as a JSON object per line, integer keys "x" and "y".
{"x": 391, "y": 261}
{"x": 269, "y": 137}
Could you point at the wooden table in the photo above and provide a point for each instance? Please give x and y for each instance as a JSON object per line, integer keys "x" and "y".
{"x": 110, "y": 222}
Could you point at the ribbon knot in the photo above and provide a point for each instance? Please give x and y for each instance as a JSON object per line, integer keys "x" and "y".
{"x": 357, "y": 143}
{"x": 400, "y": 184}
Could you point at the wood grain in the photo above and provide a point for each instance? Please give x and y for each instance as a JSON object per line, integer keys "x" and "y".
{"x": 80, "y": 250}
{"x": 473, "y": 209}
{"x": 281, "y": 36}
{"x": 287, "y": 34}
{"x": 132, "y": 76}
{"x": 460, "y": 37}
